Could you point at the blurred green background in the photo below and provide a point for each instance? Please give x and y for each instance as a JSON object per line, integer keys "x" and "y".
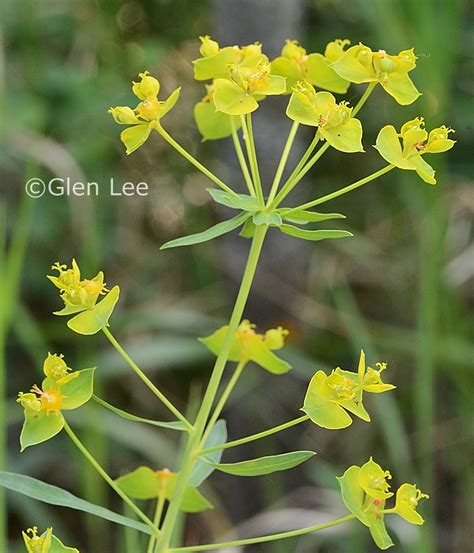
{"x": 401, "y": 289}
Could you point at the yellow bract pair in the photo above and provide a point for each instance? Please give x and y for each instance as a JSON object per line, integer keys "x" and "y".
{"x": 47, "y": 542}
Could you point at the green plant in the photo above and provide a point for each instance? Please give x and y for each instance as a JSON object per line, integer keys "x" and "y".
{"x": 240, "y": 79}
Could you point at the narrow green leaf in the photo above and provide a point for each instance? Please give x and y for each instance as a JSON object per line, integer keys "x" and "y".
{"x": 271, "y": 219}
{"x": 210, "y": 233}
{"x": 202, "y": 469}
{"x": 31, "y": 487}
{"x": 175, "y": 425}
{"x": 241, "y": 201}
{"x": 265, "y": 465}
{"x": 304, "y": 216}
{"x": 91, "y": 321}
{"x": 314, "y": 235}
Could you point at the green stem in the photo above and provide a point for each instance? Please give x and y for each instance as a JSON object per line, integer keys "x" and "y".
{"x": 194, "y": 161}
{"x": 223, "y": 400}
{"x": 291, "y": 184}
{"x": 241, "y": 158}
{"x": 255, "y": 437}
{"x": 160, "y": 503}
{"x": 77, "y": 442}
{"x": 283, "y": 160}
{"x": 158, "y": 393}
{"x": 364, "y": 98}
{"x": 252, "y": 155}
{"x": 192, "y": 448}
{"x": 342, "y": 191}
{"x": 263, "y": 539}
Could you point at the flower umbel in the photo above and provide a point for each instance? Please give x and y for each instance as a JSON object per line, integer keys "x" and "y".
{"x": 407, "y": 148}
{"x": 146, "y": 115}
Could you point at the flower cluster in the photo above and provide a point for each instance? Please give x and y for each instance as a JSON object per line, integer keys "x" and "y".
{"x": 80, "y": 297}
{"x": 330, "y": 399}
{"x": 365, "y": 490}
{"x": 61, "y": 390}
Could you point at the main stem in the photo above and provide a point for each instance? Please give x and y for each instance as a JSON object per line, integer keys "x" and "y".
{"x": 172, "y": 142}
{"x": 255, "y": 437}
{"x": 264, "y": 539}
{"x": 158, "y": 393}
{"x": 195, "y": 436}
{"x": 82, "y": 448}
{"x": 222, "y": 401}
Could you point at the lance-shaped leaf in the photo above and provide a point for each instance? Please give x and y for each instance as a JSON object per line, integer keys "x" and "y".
{"x": 303, "y": 216}
{"x": 91, "y": 321}
{"x": 242, "y": 202}
{"x": 174, "y": 425}
{"x": 265, "y": 465}
{"x": 36, "y": 489}
{"x": 314, "y": 235}
{"x": 209, "y": 234}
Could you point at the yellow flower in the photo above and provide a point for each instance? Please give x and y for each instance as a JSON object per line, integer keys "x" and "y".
{"x": 359, "y": 64}
{"x": 77, "y": 294}
{"x": 35, "y": 543}
{"x": 244, "y": 86}
{"x": 407, "y": 499}
{"x": 373, "y": 480}
{"x": 297, "y": 65}
{"x": 146, "y": 115}
{"x": 334, "y": 121}
{"x": 415, "y": 143}
{"x": 48, "y": 400}
{"x": 248, "y": 345}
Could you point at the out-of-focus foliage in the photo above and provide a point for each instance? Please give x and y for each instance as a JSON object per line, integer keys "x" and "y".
{"x": 401, "y": 289}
